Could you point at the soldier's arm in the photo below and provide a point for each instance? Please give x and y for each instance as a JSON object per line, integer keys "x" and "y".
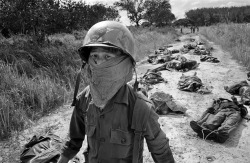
{"x": 76, "y": 132}
{"x": 158, "y": 143}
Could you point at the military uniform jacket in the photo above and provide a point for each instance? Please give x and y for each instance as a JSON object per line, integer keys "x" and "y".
{"x": 109, "y": 130}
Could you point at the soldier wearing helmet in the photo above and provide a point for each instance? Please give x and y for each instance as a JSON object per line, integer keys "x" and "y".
{"x": 114, "y": 116}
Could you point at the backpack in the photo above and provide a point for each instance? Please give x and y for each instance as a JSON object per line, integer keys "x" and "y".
{"x": 42, "y": 149}
{"x": 165, "y": 104}
{"x": 189, "y": 83}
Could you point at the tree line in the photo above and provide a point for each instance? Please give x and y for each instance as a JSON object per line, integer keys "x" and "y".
{"x": 153, "y": 12}
{"x": 210, "y": 16}
{"x": 54, "y": 16}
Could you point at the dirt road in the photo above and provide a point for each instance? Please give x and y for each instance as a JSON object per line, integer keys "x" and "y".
{"x": 186, "y": 146}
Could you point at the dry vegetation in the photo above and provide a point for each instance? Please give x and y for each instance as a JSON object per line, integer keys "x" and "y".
{"x": 234, "y": 38}
{"x": 36, "y": 79}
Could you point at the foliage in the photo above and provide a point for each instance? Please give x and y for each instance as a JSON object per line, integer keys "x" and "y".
{"x": 134, "y": 8}
{"x": 34, "y": 79}
{"x": 232, "y": 37}
{"x": 23, "y": 100}
{"x": 52, "y": 16}
{"x": 156, "y": 12}
{"x": 209, "y": 16}
{"x": 183, "y": 22}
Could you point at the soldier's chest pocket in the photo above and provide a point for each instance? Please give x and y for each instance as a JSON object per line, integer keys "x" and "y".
{"x": 121, "y": 137}
{"x": 122, "y": 143}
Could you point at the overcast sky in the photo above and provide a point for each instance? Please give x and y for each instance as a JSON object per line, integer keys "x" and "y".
{"x": 179, "y": 7}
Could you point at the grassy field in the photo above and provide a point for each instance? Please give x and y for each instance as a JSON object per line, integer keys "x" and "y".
{"x": 234, "y": 38}
{"x": 38, "y": 78}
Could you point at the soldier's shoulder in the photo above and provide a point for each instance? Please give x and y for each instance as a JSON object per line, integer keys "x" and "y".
{"x": 141, "y": 112}
{"x": 138, "y": 95}
{"x": 143, "y": 98}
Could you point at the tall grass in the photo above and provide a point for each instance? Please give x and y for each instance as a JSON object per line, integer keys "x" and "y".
{"x": 37, "y": 78}
{"x": 232, "y": 37}
{"x": 149, "y": 39}
{"x": 34, "y": 79}
{"x": 23, "y": 100}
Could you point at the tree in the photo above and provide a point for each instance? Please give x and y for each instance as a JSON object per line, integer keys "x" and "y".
{"x": 39, "y": 17}
{"x": 209, "y": 16}
{"x": 134, "y": 8}
{"x": 158, "y": 12}
{"x": 99, "y": 12}
{"x": 183, "y": 22}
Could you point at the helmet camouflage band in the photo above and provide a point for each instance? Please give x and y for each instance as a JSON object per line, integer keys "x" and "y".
{"x": 108, "y": 34}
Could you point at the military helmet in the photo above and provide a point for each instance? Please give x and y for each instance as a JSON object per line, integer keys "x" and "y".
{"x": 108, "y": 34}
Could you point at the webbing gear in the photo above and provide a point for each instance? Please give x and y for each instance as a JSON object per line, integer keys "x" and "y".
{"x": 136, "y": 84}
{"x": 137, "y": 146}
{"x": 78, "y": 79}
{"x": 139, "y": 119}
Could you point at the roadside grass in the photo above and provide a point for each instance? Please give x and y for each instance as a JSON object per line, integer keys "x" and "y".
{"x": 35, "y": 79}
{"x": 149, "y": 39}
{"x": 232, "y": 37}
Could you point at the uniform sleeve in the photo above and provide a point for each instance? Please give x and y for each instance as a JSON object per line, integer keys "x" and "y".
{"x": 158, "y": 143}
{"x": 76, "y": 133}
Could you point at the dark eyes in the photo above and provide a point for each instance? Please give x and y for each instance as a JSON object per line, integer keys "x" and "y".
{"x": 106, "y": 57}
{"x": 93, "y": 56}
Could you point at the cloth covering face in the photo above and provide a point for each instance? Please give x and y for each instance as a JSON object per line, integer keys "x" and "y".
{"x": 107, "y": 78}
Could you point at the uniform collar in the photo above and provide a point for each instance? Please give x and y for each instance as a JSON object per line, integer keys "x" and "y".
{"x": 122, "y": 95}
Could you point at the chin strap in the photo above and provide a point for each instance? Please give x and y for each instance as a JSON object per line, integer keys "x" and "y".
{"x": 78, "y": 79}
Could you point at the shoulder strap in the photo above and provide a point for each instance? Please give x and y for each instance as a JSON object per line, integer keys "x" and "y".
{"x": 139, "y": 119}
{"x": 140, "y": 113}
{"x": 136, "y": 84}
{"x": 78, "y": 79}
